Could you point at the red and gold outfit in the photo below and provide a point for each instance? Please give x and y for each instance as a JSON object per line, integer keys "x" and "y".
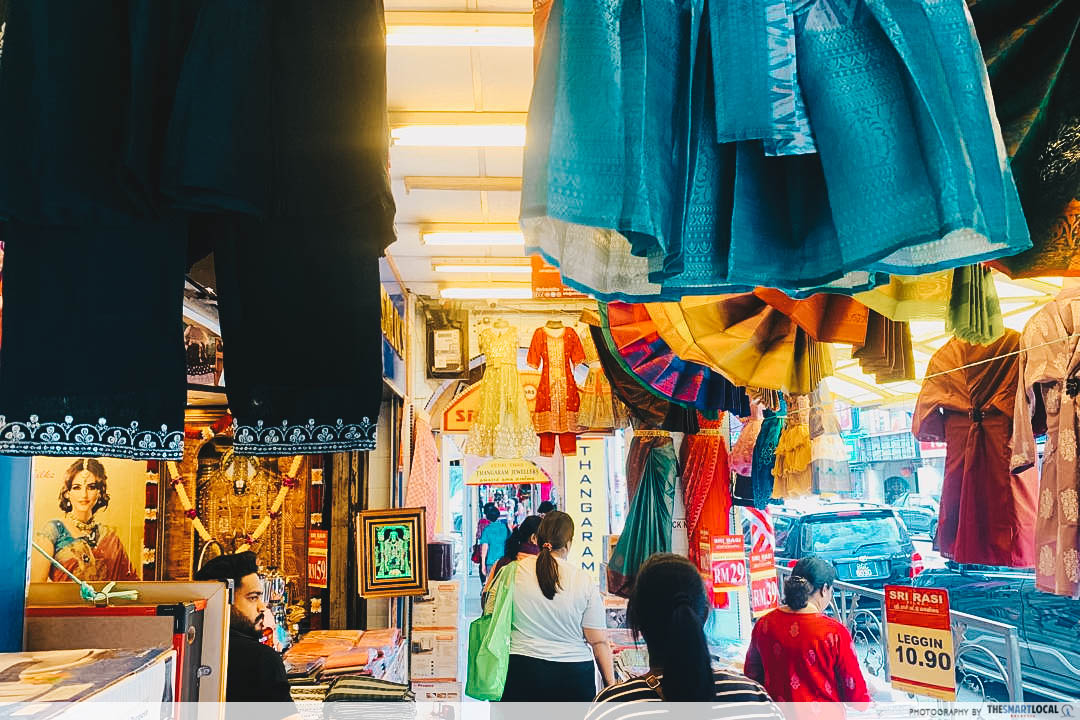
{"x": 557, "y": 397}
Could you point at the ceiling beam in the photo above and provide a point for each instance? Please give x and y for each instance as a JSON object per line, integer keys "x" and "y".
{"x": 471, "y": 183}
{"x": 402, "y": 118}
{"x": 459, "y": 18}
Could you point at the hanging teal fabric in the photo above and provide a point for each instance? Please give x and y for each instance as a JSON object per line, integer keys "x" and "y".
{"x": 761, "y": 476}
{"x": 648, "y": 523}
{"x": 974, "y": 314}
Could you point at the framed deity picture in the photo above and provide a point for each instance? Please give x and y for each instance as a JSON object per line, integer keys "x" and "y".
{"x": 392, "y": 548}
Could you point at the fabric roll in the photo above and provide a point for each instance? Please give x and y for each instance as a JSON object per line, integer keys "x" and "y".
{"x": 648, "y": 521}
{"x": 974, "y": 314}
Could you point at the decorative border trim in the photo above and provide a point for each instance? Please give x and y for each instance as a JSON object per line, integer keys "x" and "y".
{"x": 307, "y": 439}
{"x": 70, "y": 439}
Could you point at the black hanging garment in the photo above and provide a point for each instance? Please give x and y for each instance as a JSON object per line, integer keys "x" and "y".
{"x": 254, "y": 129}
{"x": 280, "y": 131}
{"x": 92, "y": 361}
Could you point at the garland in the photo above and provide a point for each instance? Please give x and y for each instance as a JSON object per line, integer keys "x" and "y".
{"x": 288, "y": 482}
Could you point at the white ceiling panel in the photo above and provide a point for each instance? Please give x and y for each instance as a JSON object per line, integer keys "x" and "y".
{"x": 506, "y": 77}
{"x": 425, "y": 78}
{"x": 426, "y": 206}
{"x": 504, "y": 162}
{"x": 435, "y": 161}
{"x": 503, "y": 207}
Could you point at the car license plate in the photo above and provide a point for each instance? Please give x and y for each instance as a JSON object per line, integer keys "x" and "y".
{"x": 863, "y": 570}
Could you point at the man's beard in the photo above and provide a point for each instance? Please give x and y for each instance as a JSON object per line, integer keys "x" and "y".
{"x": 244, "y": 624}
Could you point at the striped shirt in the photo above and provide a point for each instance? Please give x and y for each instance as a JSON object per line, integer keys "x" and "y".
{"x": 737, "y": 698}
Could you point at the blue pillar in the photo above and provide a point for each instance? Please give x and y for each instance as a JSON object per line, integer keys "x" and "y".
{"x": 14, "y": 544}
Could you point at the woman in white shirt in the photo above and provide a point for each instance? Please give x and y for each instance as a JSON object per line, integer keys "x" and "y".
{"x": 559, "y": 636}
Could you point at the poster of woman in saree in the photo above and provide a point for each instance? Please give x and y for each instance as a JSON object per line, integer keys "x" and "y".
{"x": 78, "y": 538}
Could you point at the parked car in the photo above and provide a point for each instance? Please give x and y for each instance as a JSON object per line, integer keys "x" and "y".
{"x": 919, "y": 513}
{"x": 1048, "y": 626}
{"x": 868, "y": 543}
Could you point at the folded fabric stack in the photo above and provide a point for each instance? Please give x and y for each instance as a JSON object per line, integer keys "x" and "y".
{"x": 326, "y": 655}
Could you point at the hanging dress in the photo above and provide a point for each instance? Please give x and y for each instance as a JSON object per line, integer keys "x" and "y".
{"x": 503, "y": 427}
{"x": 862, "y": 141}
{"x": 1046, "y": 403}
{"x": 600, "y": 409}
{"x": 556, "y": 352}
{"x": 742, "y": 452}
{"x": 651, "y": 470}
{"x": 756, "y": 489}
{"x": 987, "y": 514}
{"x": 792, "y": 474}
{"x": 423, "y": 486}
{"x": 707, "y": 478}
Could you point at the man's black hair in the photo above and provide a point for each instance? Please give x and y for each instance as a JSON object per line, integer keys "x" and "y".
{"x": 229, "y": 567}
{"x": 546, "y": 507}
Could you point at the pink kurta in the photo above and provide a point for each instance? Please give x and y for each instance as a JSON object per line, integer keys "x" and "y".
{"x": 1046, "y": 399}
{"x": 987, "y": 513}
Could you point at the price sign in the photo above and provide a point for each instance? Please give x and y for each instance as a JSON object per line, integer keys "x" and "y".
{"x": 318, "y": 541}
{"x": 920, "y": 641}
{"x": 728, "y": 563}
{"x": 764, "y": 588}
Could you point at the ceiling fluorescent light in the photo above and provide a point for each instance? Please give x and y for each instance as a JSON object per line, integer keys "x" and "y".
{"x": 459, "y": 136}
{"x": 502, "y": 237}
{"x": 503, "y": 292}
{"x": 447, "y": 267}
{"x": 458, "y": 36}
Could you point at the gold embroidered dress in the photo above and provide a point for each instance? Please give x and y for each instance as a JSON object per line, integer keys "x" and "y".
{"x": 503, "y": 427}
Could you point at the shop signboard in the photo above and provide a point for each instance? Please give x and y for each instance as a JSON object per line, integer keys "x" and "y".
{"x": 921, "y": 657}
{"x": 507, "y": 472}
{"x": 547, "y": 282}
{"x": 728, "y": 564}
{"x": 764, "y": 587}
{"x": 461, "y": 413}
{"x": 318, "y": 542}
{"x": 586, "y": 502}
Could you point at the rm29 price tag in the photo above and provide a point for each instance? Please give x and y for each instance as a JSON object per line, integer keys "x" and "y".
{"x": 920, "y": 641}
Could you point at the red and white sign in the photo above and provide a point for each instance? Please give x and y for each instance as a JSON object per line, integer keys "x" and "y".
{"x": 764, "y": 587}
{"x": 318, "y": 542}
{"x": 728, "y": 564}
{"x": 921, "y": 658}
{"x": 547, "y": 282}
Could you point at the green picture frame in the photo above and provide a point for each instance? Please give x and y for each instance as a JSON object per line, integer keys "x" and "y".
{"x": 392, "y": 552}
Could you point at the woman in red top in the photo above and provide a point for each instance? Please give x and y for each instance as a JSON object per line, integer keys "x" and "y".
{"x": 801, "y": 655}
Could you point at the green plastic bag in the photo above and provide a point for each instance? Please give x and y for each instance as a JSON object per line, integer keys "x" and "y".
{"x": 489, "y": 640}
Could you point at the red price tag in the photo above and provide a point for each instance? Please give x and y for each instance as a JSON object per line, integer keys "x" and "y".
{"x": 728, "y": 563}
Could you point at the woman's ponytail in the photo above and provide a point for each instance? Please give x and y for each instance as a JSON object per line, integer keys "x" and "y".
{"x": 555, "y": 533}
{"x": 688, "y": 675}
{"x": 669, "y": 607}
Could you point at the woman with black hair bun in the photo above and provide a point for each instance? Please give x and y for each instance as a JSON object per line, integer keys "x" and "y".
{"x": 669, "y": 607}
{"x": 798, "y": 653}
